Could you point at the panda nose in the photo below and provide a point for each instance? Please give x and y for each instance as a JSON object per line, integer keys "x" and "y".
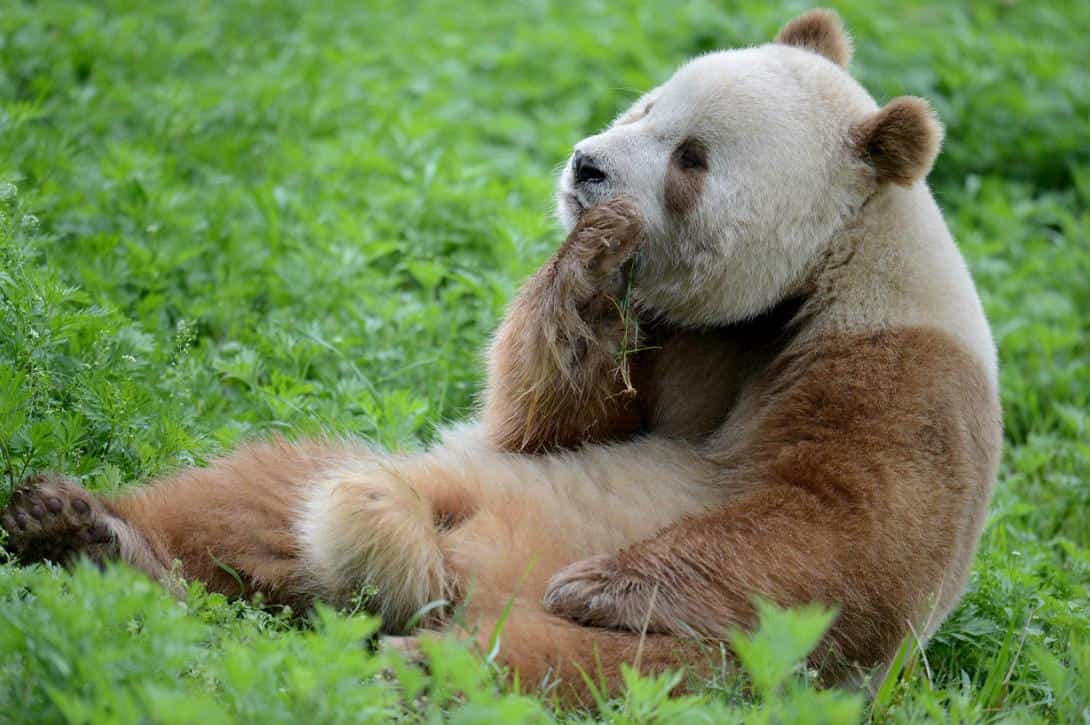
{"x": 585, "y": 169}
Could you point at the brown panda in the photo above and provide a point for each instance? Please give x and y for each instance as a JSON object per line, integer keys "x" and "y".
{"x": 756, "y": 367}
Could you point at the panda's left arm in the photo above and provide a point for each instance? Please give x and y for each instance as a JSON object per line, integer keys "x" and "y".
{"x": 700, "y": 577}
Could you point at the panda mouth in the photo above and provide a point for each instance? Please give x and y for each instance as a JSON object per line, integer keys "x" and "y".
{"x": 575, "y": 205}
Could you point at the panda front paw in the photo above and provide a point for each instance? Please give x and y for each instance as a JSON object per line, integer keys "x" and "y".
{"x": 596, "y": 592}
{"x": 597, "y": 251}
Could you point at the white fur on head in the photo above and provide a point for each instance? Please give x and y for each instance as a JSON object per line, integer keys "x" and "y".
{"x": 752, "y": 167}
{"x": 778, "y": 179}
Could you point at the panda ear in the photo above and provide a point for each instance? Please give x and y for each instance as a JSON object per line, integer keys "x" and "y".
{"x": 900, "y": 141}
{"x": 820, "y": 31}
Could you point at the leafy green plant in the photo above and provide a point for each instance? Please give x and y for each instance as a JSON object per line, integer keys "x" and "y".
{"x": 219, "y": 221}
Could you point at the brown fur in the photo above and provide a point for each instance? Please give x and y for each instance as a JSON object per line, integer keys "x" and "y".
{"x": 820, "y": 31}
{"x": 900, "y": 141}
{"x": 718, "y": 363}
{"x": 236, "y": 517}
{"x": 557, "y": 358}
{"x": 684, "y": 183}
{"x": 551, "y": 654}
{"x": 868, "y": 469}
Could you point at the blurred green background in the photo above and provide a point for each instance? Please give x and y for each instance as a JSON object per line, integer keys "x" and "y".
{"x": 224, "y": 219}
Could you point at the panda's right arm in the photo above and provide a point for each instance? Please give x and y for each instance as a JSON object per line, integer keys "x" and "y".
{"x": 560, "y": 363}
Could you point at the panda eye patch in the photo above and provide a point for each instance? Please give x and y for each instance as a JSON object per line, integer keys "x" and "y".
{"x": 692, "y": 155}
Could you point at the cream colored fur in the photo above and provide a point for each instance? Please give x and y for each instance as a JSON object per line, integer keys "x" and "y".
{"x": 370, "y": 520}
{"x": 363, "y": 523}
{"x": 903, "y": 269}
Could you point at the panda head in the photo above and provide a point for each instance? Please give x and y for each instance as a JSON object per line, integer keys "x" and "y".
{"x": 745, "y": 165}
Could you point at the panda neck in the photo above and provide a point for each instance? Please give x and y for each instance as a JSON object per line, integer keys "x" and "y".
{"x": 896, "y": 265}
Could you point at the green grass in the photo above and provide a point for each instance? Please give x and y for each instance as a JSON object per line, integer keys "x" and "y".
{"x": 224, "y": 219}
